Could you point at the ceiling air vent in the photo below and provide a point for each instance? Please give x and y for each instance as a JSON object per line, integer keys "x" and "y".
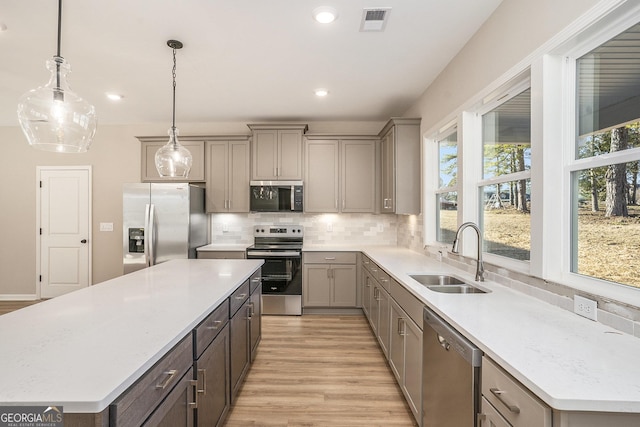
{"x": 374, "y": 19}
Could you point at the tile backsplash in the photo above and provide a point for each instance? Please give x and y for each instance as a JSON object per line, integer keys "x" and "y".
{"x": 342, "y": 229}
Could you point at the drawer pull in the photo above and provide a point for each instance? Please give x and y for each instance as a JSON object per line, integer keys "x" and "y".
{"x": 241, "y": 296}
{"x": 498, "y": 394}
{"x": 329, "y": 258}
{"x": 203, "y": 390}
{"x": 194, "y": 404}
{"x": 216, "y": 325}
{"x": 170, "y": 374}
{"x": 256, "y": 279}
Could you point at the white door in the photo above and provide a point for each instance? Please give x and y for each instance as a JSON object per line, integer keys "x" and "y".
{"x": 64, "y": 223}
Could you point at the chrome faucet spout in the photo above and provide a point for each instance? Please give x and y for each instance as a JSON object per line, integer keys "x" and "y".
{"x": 479, "y": 263}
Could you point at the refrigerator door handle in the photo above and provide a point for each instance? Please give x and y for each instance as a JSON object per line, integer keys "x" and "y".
{"x": 152, "y": 235}
{"x": 147, "y": 231}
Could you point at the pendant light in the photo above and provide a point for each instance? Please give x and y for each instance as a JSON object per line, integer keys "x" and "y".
{"x": 173, "y": 160}
{"x": 54, "y": 118}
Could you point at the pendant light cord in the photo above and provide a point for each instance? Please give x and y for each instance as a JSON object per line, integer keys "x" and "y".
{"x": 59, "y": 26}
{"x": 173, "y": 73}
{"x": 58, "y": 95}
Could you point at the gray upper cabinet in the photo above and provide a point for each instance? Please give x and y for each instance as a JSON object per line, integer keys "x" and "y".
{"x": 340, "y": 174}
{"x": 276, "y": 151}
{"x": 151, "y": 144}
{"x": 227, "y": 175}
{"x": 400, "y": 166}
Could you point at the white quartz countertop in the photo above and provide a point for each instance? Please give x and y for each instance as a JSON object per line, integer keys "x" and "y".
{"x": 83, "y": 349}
{"x": 215, "y": 247}
{"x": 570, "y": 362}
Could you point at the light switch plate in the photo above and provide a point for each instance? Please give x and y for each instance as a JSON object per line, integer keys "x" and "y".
{"x": 585, "y": 307}
{"x": 106, "y": 226}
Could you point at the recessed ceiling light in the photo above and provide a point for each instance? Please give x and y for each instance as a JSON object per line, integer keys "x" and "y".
{"x": 325, "y": 14}
{"x": 321, "y": 92}
{"x": 114, "y": 96}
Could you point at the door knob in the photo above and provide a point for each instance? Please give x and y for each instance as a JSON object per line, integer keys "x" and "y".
{"x": 83, "y": 241}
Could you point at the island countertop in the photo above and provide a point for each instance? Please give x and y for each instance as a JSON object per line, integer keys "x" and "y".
{"x": 83, "y": 349}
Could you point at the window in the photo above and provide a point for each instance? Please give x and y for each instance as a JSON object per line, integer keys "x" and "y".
{"x": 447, "y": 194}
{"x": 505, "y": 187}
{"x": 604, "y": 174}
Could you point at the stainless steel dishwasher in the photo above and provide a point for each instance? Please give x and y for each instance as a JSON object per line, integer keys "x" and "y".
{"x": 450, "y": 375}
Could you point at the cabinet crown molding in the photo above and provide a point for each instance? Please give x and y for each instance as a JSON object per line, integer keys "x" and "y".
{"x": 279, "y": 126}
{"x": 230, "y": 137}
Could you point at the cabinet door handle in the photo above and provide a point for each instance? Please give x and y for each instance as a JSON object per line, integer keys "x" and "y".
{"x": 216, "y": 325}
{"x": 229, "y": 204}
{"x": 252, "y": 310}
{"x": 241, "y": 296}
{"x": 401, "y": 327}
{"x": 203, "y": 390}
{"x": 170, "y": 374}
{"x": 498, "y": 394}
{"x": 194, "y": 404}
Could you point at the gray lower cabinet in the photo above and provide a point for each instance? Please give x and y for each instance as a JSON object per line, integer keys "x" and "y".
{"x": 405, "y": 356}
{"x": 239, "y": 328}
{"x": 386, "y": 305}
{"x": 381, "y": 306}
{"x": 329, "y": 279}
{"x": 211, "y": 367}
{"x": 147, "y": 398}
{"x": 255, "y": 321}
{"x": 506, "y": 402}
{"x": 176, "y": 409}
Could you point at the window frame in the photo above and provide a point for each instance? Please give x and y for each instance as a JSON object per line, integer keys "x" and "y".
{"x": 446, "y": 131}
{"x": 590, "y": 40}
{"x": 508, "y": 91}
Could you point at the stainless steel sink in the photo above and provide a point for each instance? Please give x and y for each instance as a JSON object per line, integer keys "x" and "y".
{"x": 446, "y": 284}
{"x": 456, "y": 289}
{"x": 436, "y": 279}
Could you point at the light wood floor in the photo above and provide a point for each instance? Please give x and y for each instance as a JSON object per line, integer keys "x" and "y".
{"x": 9, "y": 306}
{"x": 319, "y": 371}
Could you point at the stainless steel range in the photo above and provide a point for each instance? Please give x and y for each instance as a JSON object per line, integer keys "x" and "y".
{"x": 281, "y": 249}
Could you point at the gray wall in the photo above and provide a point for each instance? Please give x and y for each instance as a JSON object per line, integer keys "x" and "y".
{"x": 515, "y": 30}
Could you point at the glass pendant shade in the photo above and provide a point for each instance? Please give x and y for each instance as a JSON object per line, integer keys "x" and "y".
{"x": 173, "y": 160}
{"x": 53, "y": 117}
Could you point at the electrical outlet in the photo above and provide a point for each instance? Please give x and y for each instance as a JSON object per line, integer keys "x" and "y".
{"x": 585, "y": 307}
{"x": 329, "y": 226}
{"x": 380, "y": 227}
{"x": 225, "y": 227}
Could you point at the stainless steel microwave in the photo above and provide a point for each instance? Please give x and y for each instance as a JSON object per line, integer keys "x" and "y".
{"x": 276, "y": 196}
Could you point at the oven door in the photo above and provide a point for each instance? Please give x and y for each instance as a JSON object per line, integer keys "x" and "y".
{"x": 281, "y": 272}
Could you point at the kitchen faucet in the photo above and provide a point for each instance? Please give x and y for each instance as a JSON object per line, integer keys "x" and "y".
{"x": 479, "y": 263}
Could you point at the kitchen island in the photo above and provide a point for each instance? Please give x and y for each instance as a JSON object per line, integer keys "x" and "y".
{"x": 84, "y": 349}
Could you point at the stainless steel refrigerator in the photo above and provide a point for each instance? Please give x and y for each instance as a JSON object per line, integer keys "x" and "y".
{"x": 161, "y": 222}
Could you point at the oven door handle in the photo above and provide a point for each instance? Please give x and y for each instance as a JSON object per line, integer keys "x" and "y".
{"x": 268, "y": 254}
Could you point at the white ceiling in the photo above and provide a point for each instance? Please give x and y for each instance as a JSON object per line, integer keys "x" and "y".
{"x": 243, "y": 60}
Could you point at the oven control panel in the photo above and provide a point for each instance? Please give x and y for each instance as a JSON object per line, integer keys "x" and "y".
{"x": 278, "y": 231}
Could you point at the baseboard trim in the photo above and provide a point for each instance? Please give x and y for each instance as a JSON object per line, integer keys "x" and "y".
{"x": 18, "y": 297}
